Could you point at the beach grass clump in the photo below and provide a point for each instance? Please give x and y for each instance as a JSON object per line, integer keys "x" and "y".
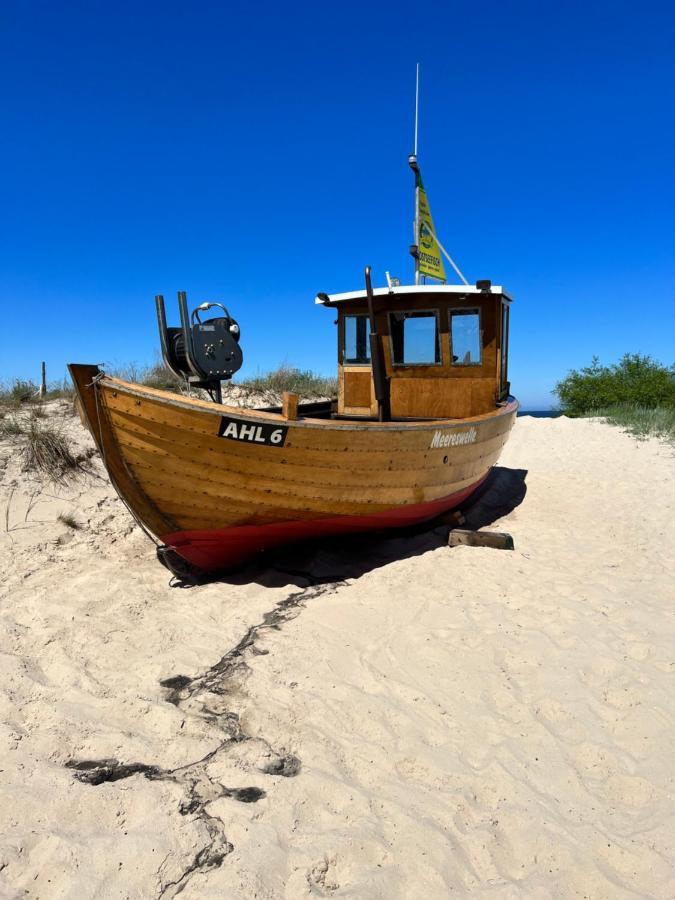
{"x": 60, "y": 390}
{"x": 640, "y": 421}
{"x": 48, "y": 452}
{"x": 156, "y": 376}
{"x": 10, "y": 426}
{"x": 21, "y": 393}
{"x": 16, "y": 393}
{"x": 304, "y": 382}
{"x": 161, "y": 377}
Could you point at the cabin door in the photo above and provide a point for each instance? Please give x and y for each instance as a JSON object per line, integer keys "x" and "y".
{"x": 356, "y": 391}
{"x": 355, "y": 375}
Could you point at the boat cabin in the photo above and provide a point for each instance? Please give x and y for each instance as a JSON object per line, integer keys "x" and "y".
{"x": 443, "y": 350}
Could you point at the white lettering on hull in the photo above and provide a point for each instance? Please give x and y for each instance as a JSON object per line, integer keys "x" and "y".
{"x": 453, "y": 438}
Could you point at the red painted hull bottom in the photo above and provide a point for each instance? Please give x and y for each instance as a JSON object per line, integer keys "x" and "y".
{"x": 227, "y": 548}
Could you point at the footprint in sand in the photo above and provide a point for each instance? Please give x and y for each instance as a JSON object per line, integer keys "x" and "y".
{"x": 559, "y": 720}
{"x": 321, "y": 877}
{"x": 639, "y": 651}
{"x": 594, "y": 761}
{"x": 627, "y": 790}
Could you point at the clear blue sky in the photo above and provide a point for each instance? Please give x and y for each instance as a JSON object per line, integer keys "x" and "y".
{"x": 256, "y": 153}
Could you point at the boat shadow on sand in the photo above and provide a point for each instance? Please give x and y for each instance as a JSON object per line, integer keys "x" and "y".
{"x": 348, "y": 557}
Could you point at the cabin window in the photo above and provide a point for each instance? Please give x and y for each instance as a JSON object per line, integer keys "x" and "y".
{"x": 356, "y": 347}
{"x": 414, "y": 339}
{"x": 465, "y": 337}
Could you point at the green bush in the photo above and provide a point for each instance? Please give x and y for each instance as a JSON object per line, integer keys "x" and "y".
{"x": 635, "y": 381}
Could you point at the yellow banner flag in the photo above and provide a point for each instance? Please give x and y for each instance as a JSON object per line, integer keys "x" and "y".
{"x": 430, "y": 260}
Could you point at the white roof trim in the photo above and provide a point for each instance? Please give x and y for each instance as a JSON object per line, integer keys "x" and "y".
{"x": 412, "y": 289}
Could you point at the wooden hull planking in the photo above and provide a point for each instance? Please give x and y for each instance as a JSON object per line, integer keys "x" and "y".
{"x": 218, "y": 501}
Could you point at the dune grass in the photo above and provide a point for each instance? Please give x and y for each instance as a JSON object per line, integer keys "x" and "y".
{"x": 47, "y": 451}
{"x": 304, "y": 382}
{"x": 44, "y": 447}
{"x": 640, "y": 421}
{"x": 157, "y": 376}
{"x": 307, "y": 384}
{"x": 19, "y": 393}
{"x": 284, "y": 378}
{"x": 10, "y": 427}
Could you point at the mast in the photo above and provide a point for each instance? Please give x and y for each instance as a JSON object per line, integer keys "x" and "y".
{"x": 380, "y": 382}
{"x": 412, "y": 162}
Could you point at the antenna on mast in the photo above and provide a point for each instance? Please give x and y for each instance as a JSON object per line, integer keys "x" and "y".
{"x": 417, "y": 101}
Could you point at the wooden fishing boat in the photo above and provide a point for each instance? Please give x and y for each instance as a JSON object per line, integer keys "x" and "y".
{"x": 218, "y": 484}
{"x": 422, "y": 413}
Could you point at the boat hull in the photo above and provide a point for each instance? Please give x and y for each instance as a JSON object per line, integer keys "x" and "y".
{"x": 219, "y": 484}
{"x": 227, "y": 548}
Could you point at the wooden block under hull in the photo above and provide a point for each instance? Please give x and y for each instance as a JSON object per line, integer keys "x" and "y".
{"x": 497, "y": 540}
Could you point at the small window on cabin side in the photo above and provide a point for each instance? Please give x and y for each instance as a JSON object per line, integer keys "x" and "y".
{"x": 465, "y": 337}
{"x": 414, "y": 338}
{"x": 357, "y": 347}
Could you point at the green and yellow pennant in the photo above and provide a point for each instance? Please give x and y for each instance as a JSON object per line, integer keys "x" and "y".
{"x": 430, "y": 260}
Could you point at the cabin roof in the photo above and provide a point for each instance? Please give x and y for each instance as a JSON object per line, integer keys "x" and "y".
{"x": 412, "y": 289}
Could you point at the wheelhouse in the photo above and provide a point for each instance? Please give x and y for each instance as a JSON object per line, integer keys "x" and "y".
{"x": 444, "y": 350}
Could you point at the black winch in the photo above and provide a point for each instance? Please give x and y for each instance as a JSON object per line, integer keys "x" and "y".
{"x": 203, "y": 352}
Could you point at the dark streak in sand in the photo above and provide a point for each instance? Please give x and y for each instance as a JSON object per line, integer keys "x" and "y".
{"x": 201, "y": 788}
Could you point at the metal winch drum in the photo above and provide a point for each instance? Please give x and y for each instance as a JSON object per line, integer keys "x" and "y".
{"x": 204, "y": 353}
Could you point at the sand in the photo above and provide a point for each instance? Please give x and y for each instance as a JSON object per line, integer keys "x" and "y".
{"x": 380, "y": 718}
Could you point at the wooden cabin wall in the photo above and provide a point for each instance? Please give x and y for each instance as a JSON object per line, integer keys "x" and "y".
{"x": 441, "y": 397}
{"x": 428, "y": 391}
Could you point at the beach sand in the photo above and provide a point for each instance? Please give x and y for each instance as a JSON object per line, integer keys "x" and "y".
{"x": 375, "y": 718}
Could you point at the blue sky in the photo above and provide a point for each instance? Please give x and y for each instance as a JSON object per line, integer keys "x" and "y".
{"x": 256, "y": 154}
